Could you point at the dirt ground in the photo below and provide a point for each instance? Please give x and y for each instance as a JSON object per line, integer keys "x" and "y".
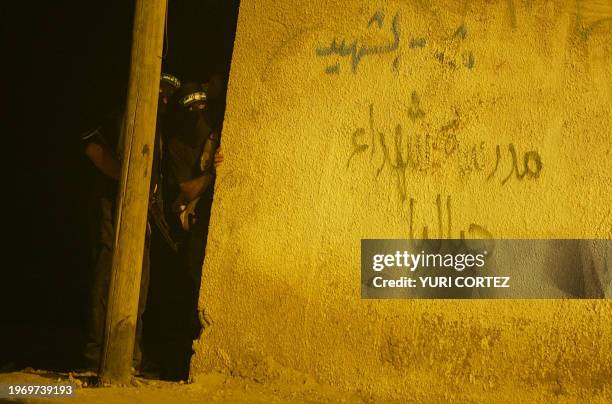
{"x": 215, "y": 388}
{"x": 218, "y": 388}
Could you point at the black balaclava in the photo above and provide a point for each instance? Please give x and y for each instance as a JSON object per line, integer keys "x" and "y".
{"x": 190, "y": 125}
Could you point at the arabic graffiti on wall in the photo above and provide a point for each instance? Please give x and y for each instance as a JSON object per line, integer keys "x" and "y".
{"x": 416, "y": 146}
{"x": 455, "y": 54}
{"x": 357, "y": 48}
{"x": 531, "y": 164}
{"x": 444, "y": 225}
{"x": 407, "y": 150}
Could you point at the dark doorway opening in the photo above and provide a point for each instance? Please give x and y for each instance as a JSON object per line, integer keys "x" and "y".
{"x": 69, "y": 64}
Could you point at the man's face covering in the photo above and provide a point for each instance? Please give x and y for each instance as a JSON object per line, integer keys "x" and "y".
{"x": 191, "y": 125}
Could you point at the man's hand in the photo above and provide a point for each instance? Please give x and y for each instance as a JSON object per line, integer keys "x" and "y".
{"x": 218, "y": 158}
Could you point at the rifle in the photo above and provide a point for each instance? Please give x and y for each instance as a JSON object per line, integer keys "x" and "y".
{"x": 156, "y": 211}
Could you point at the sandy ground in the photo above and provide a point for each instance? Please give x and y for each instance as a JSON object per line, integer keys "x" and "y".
{"x": 215, "y": 388}
{"x": 218, "y": 388}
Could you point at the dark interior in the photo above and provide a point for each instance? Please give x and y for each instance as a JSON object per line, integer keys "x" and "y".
{"x": 68, "y": 64}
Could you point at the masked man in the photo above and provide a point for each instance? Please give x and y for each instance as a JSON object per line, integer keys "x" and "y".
{"x": 193, "y": 154}
{"x": 103, "y": 146}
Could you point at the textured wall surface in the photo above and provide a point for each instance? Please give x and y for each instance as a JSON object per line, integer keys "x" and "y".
{"x": 394, "y": 119}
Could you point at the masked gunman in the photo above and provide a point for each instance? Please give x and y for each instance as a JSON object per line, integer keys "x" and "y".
{"x": 193, "y": 154}
{"x": 103, "y": 146}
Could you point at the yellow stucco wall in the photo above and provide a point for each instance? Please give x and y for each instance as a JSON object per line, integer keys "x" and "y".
{"x": 461, "y": 87}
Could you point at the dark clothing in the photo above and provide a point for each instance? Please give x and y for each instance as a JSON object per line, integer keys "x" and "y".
{"x": 102, "y": 213}
{"x": 102, "y": 222}
{"x": 195, "y": 244}
{"x": 190, "y": 155}
{"x": 185, "y": 149}
{"x": 108, "y": 134}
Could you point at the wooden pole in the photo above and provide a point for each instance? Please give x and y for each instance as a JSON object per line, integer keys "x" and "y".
{"x": 131, "y": 222}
